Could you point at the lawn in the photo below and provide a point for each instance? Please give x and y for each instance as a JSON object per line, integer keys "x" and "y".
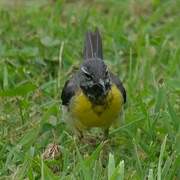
{"x": 40, "y": 44}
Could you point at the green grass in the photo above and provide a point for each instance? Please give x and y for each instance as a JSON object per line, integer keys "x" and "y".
{"x": 39, "y": 43}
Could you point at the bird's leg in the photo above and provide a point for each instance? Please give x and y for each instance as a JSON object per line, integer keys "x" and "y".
{"x": 106, "y": 148}
{"x": 106, "y": 134}
{"x": 79, "y": 134}
{"x": 83, "y": 138}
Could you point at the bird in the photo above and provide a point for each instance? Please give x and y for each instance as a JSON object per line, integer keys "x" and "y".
{"x": 93, "y": 97}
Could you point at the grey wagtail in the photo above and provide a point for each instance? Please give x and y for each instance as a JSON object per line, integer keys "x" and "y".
{"x": 93, "y": 96}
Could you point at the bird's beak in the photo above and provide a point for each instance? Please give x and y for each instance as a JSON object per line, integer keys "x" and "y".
{"x": 102, "y": 84}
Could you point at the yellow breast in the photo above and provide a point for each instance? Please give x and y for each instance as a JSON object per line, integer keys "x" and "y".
{"x": 88, "y": 115}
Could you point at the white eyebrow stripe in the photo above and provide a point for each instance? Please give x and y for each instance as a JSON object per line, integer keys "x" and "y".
{"x": 84, "y": 70}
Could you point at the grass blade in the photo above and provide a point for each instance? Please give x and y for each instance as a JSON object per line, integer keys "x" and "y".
{"x": 111, "y": 166}
{"x": 5, "y": 78}
{"x": 159, "y": 176}
{"x": 46, "y": 173}
{"x": 21, "y": 90}
{"x": 118, "y": 173}
{"x": 150, "y": 175}
{"x": 139, "y": 165}
{"x": 121, "y": 170}
{"x": 173, "y": 116}
{"x": 167, "y": 166}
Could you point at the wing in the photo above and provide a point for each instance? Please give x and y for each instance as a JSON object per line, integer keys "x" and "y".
{"x": 68, "y": 91}
{"x": 119, "y": 84}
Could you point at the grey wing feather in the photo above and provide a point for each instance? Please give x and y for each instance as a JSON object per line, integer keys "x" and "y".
{"x": 68, "y": 91}
{"x": 119, "y": 84}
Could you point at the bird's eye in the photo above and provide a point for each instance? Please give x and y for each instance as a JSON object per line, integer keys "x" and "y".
{"x": 88, "y": 76}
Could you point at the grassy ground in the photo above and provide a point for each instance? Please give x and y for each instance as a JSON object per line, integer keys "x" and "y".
{"x": 39, "y": 43}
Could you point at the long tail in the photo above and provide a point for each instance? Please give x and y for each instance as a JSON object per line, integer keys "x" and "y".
{"x": 93, "y": 45}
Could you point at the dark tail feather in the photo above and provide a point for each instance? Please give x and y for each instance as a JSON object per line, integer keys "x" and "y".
{"x": 93, "y": 45}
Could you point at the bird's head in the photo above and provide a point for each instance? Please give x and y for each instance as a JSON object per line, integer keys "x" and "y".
{"x": 94, "y": 80}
